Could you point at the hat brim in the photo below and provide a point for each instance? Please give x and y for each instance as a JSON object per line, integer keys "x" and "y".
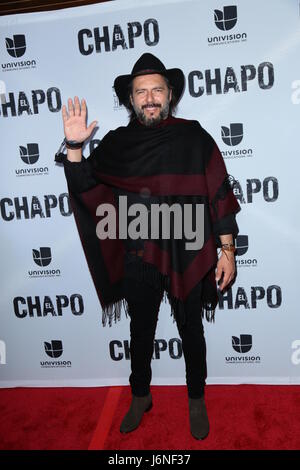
{"x": 175, "y": 76}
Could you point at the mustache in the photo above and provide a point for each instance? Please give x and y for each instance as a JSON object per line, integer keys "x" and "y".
{"x": 151, "y": 105}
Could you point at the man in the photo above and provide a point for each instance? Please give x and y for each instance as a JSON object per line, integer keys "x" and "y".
{"x": 156, "y": 159}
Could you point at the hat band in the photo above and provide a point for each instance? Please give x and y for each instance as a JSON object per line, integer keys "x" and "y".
{"x": 148, "y": 72}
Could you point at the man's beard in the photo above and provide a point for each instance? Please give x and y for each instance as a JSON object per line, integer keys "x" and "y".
{"x": 152, "y": 122}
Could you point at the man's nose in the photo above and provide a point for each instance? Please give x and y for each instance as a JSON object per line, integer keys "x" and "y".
{"x": 149, "y": 96}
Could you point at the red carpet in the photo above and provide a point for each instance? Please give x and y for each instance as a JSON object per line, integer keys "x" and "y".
{"x": 242, "y": 417}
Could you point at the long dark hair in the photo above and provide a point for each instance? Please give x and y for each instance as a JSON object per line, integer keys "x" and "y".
{"x": 128, "y": 105}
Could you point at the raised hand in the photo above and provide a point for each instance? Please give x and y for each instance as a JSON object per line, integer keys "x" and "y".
{"x": 75, "y": 121}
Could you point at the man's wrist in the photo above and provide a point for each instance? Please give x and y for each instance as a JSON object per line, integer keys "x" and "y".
{"x": 73, "y": 144}
{"x": 228, "y": 247}
{"x": 74, "y": 155}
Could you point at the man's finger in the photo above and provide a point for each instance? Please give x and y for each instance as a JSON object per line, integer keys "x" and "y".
{"x": 227, "y": 279}
{"x": 83, "y": 107}
{"x": 70, "y": 107}
{"x": 76, "y": 106}
{"x": 64, "y": 113}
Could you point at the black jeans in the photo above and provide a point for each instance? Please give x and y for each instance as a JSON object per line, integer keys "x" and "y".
{"x": 143, "y": 306}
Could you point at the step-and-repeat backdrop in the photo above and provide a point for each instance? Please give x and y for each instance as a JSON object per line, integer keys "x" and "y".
{"x": 241, "y": 64}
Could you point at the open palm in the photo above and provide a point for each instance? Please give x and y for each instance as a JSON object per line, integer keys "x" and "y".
{"x": 75, "y": 121}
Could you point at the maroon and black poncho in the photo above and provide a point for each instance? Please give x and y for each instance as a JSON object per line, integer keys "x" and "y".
{"x": 177, "y": 162}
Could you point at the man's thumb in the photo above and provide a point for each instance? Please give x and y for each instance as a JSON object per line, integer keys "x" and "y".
{"x": 218, "y": 274}
{"x": 92, "y": 125}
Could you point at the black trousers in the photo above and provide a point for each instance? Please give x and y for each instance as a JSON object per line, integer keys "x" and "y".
{"x": 143, "y": 305}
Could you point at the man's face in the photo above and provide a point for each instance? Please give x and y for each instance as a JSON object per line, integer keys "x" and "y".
{"x": 150, "y": 98}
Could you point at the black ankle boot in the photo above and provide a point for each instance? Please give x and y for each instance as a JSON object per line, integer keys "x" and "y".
{"x": 139, "y": 405}
{"x": 198, "y": 418}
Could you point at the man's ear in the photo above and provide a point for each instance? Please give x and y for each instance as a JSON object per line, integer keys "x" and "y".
{"x": 131, "y": 100}
{"x": 170, "y": 94}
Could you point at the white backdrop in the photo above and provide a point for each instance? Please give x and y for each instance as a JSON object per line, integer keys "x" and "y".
{"x": 243, "y": 85}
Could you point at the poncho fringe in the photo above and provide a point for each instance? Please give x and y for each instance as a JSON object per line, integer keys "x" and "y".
{"x": 148, "y": 273}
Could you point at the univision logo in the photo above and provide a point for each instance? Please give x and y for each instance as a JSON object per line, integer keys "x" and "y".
{"x": 242, "y": 245}
{"x": 54, "y": 349}
{"x": 232, "y": 136}
{"x": 29, "y": 154}
{"x": 242, "y": 345}
{"x": 117, "y": 105}
{"x": 16, "y": 47}
{"x": 225, "y": 20}
{"x": 43, "y": 257}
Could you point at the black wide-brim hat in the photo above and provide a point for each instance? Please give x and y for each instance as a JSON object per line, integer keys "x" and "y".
{"x": 148, "y": 64}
